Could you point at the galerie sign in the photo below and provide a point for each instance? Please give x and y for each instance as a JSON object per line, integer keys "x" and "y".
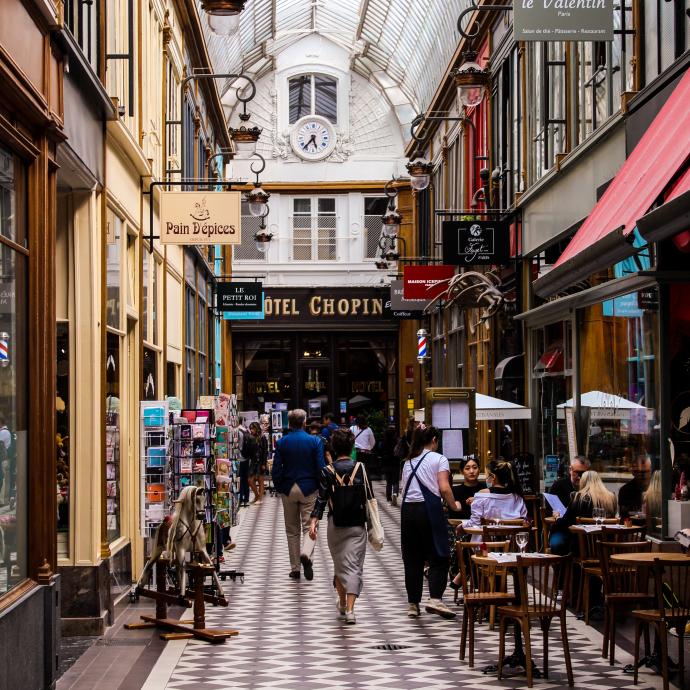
{"x": 200, "y": 217}
{"x": 563, "y": 20}
{"x": 475, "y": 242}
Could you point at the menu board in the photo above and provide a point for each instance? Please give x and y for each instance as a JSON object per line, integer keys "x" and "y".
{"x": 451, "y": 410}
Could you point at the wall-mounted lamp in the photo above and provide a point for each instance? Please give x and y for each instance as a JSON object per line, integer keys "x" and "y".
{"x": 262, "y": 240}
{"x": 420, "y": 171}
{"x": 223, "y": 16}
{"x": 391, "y": 219}
{"x": 244, "y": 140}
{"x": 471, "y": 81}
{"x": 258, "y": 197}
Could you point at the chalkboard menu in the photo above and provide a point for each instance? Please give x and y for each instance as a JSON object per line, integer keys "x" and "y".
{"x": 526, "y": 471}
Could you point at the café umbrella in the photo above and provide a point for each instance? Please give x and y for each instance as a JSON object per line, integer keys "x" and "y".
{"x": 491, "y": 409}
{"x": 605, "y": 406}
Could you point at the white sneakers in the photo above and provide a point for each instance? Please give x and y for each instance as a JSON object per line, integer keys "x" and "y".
{"x": 413, "y": 610}
{"x": 340, "y": 607}
{"x": 394, "y": 499}
{"x": 350, "y": 617}
{"x": 438, "y": 607}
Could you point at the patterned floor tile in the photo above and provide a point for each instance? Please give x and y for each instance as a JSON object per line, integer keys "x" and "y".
{"x": 290, "y": 636}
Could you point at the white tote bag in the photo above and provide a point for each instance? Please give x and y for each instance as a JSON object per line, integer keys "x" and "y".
{"x": 374, "y": 526}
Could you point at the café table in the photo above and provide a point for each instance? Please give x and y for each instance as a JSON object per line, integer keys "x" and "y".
{"x": 509, "y": 562}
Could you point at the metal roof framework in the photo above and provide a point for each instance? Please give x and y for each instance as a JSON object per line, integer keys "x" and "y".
{"x": 401, "y": 46}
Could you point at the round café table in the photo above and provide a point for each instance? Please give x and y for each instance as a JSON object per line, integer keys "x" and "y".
{"x": 509, "y": 562}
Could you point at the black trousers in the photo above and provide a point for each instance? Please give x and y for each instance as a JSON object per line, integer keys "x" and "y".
{"x": 244, "y": 481}
{"x": 392, "y": 483}
{"x": 417, "y": 544}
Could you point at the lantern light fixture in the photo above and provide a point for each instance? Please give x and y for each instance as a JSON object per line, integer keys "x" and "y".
{"x": 257, "y": 199}
{"x": 471, "y": 81}
{"x": 244, "y": 140}
{"x": 382, "y": 265}
{"x": 262, "y": 240}
{"x": 223, "y": 16}
{"x": 420, "y": 173}
{"x": 391, "y": 219}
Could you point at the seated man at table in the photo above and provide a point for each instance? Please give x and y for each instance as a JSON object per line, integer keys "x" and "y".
{"x": 630, "y": 496}
{"x": 565, "y": 487}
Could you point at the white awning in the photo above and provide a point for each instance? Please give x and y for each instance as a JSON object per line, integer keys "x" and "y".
{"x": 489, "y": 409}
{"x": 605, "y": 406}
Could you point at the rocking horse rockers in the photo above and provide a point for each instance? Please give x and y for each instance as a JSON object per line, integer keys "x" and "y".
{"x": 182, "y": 534}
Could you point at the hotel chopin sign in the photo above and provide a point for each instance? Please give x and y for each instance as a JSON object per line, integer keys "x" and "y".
{"x": 563, "y": 20}
{"x": 200, "y": 217}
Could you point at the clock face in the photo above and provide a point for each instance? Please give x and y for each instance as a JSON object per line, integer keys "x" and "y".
{"x": 313, "y": 138}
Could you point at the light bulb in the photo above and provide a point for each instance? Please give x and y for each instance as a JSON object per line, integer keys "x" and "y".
{"x": 256, "y": 208}
{"x": 261, "y": 246}
{"x": 224, "y": 24}
{"x": 420, "y": 182}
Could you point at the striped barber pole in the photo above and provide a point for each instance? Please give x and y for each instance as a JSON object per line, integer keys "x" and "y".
{"x": 4, "y": 349}
{"x": 422, "y": 345}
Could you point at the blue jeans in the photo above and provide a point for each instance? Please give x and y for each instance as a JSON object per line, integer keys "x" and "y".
{"x": 560, "y": 543}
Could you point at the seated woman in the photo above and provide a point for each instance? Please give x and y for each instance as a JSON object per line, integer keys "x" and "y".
{"x": 592, "y": 494}
{"x": 502, "y": 499}
{"x": 464, "y": 493}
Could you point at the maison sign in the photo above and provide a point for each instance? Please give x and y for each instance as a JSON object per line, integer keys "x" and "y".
{"x": 563, "y": 20}
{"x": 475, "y": 242}
{"x": 200, "y": 217}
{"x": 426, "y": 282}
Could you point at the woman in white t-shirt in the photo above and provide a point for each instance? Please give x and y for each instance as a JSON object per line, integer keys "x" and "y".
{"x": 423, "y": 526}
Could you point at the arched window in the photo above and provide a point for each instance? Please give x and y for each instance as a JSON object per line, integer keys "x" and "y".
{"x": 313, "y": 94}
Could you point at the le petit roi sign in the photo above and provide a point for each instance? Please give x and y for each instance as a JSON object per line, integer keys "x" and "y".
{"x": 200, "y": 217}
{"x": 563, "y": 20}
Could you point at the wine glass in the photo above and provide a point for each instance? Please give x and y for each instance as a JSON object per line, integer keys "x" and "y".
{"x": 599, "y": 514}
{"x": 522, "y": 539}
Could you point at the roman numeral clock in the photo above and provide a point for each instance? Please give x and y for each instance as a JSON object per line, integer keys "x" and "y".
{"x": 313, "y": 138}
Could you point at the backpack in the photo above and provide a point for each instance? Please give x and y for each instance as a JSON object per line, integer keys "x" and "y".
{"x": 349, "y": 502}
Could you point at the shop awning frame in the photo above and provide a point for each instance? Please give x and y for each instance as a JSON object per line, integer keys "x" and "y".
{"x": 489, "y": 409}
{"x": 667, "y": 220}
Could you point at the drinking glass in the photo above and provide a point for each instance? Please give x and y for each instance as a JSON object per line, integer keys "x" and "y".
{"x": 599, "y": 514}
{"x": 522, "y": 539}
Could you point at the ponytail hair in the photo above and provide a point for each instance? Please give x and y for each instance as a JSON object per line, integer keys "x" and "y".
{"x": 507, "y": 476}
{"x": 421, "y": 438}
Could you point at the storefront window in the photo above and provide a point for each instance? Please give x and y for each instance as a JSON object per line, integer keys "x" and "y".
{"x": 112, "y": 436}
{"x": 13, "y": 374}
{"x": 619, "y": 393}
{"x": 113, "y": 272}
{"x": 150, "y": 374}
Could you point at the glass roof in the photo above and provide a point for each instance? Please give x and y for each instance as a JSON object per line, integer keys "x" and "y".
{"x": 402, "y": 46}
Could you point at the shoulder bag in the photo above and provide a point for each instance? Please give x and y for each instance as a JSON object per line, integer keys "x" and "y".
{"x": 374, "y": 526}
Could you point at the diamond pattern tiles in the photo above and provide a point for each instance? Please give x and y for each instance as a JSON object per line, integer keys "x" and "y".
{"x": 290, "y": 636}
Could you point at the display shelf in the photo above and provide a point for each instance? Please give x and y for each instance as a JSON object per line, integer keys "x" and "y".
{"x": 155, "y": 501}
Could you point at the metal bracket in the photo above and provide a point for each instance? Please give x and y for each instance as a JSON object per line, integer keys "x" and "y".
{"x": 478, "y": 8}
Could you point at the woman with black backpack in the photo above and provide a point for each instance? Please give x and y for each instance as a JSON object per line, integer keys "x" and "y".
{"x": 343, "y": 487}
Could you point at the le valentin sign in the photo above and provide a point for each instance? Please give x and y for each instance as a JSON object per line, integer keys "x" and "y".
{"x": 563, "y": 20}
{"x": 426, "y": 282}
{"x": 200, "y": 217}
{"x": 475, "y": 242}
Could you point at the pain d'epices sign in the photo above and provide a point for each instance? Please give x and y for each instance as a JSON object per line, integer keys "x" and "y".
{"x": 563, "y": 20}
{"x": 200, "y": 217}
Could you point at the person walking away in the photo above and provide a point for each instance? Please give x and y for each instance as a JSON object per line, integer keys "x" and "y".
{"x": 592, "y": 494}
{"x": 390, "y": 465}
{"x": 501, "y": 500}
{"x": 343, "y": 489}
{"x": 365, "y": 441}
{"x": 255, "y": 439}
{"x": 297, "y": 464}
{"x": 315, "y": 429}
{"x": 423, "y": 531}
{"x": 244, "y": 460}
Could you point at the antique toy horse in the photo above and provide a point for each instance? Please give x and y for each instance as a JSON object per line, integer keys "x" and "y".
{"x": 187, "y": 535}
{"x": 160, "y": 540}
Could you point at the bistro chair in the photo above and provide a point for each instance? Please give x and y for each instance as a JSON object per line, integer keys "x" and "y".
{"x": 470, "y": 575}
{"x": 587, "y": 556}
{"x": 538, "y": 583}
{"x": 624, "y": 587}
{"x": 486, "y": 573}
{"x": 672, "y": 596}
{"x": 547, "y": 522}
{"x": 503, "y": 532}
{"x": 635, "y": 533}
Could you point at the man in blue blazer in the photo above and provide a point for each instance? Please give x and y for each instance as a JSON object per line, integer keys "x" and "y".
{"x": 297, "y": 464}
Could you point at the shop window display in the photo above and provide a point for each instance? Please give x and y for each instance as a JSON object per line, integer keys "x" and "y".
{"x": 13, "y": 373}
{"x": 112, "y": 437}
{"x": 62, "y": 439}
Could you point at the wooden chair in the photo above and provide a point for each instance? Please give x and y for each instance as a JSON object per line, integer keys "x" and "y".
{"x": 672, "y": 596}
{"x": 587, "y": 557}
{"x": 636, "y": 533}
{"x": 486, "y": 573}
{"x": 547, "y": 522}
{"x": 465, "y": 550}
{"x": 539, "y": 602}
{"x": 503, "y": 532}
{"x": 623, "y": 588}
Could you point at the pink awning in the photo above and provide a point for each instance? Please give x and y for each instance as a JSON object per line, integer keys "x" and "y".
{"x": 658, "y": 156}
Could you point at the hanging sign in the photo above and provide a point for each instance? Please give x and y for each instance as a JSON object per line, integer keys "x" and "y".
{"x": 475, "y": 242}
{"x": 200, "y": 217}
{"x": 239, "y": 297}
{"x": 563, "y": 20}
{"x": 426, "y": 282}
{"x": 400, "y": 308}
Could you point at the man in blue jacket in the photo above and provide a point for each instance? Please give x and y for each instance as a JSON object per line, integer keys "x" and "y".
{"x": 297, "y": 464}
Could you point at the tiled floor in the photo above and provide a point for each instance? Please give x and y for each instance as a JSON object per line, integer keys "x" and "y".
{"x": 290, "y": 636}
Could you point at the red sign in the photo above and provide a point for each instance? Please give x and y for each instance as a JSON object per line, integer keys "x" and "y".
{"x": 426, "y": 282}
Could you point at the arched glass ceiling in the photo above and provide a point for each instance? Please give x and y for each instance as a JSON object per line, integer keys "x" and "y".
{"x": 403, "y": 46}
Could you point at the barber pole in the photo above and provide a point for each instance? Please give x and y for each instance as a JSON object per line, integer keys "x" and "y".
{"x": 422, "y": 345}
{"x": 4, "y": 349}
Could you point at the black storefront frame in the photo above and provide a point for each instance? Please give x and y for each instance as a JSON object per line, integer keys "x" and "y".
{"x": 297, "y": 362}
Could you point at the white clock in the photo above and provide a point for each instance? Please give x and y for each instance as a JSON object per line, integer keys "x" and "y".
{"x": 313, "y": 138}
